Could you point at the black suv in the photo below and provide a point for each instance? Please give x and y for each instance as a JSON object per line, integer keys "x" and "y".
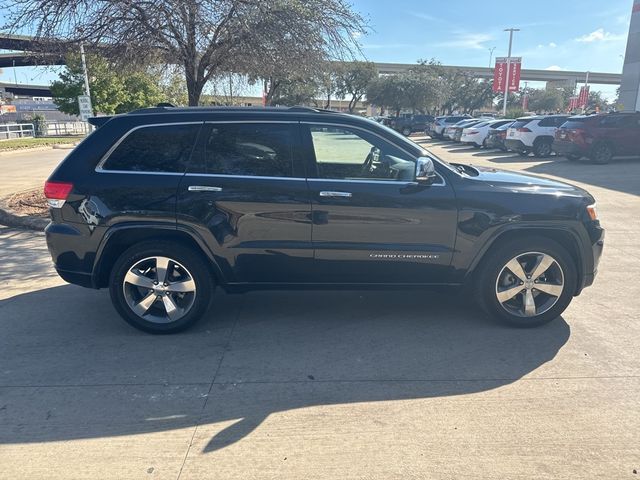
{"x": 411, "y": 123}
{"x": 163, "y": 204}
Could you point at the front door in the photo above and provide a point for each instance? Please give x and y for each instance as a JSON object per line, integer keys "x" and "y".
{"x": 248, "y": 197}
{"x": 372, "y": 224}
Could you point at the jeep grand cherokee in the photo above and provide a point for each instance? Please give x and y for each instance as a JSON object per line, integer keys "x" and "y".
{"x": 164, "y": 204}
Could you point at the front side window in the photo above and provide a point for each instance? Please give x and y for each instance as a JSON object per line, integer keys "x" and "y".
{"x": 350, "y": 154}
{"x": 250, "y": 149}
{"x": 157, "y": 148}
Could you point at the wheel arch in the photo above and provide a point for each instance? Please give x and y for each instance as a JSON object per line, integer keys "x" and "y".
{"x": 565, "y": 237}
{"x": 119, "y": 238}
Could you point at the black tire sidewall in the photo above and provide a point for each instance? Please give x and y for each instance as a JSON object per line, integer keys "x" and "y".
{"x": 540, "y": 143}
{"x": 191, "y": 260}
{"x": 601, "y": 147}
{"x": 497, "y": 258}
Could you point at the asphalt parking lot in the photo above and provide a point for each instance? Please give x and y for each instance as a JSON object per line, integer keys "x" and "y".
{"x": 345, "y": 385}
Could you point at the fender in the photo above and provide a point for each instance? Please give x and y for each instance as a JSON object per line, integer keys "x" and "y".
{"x": 582, "y": 260}
{"x": 148, "y": 228}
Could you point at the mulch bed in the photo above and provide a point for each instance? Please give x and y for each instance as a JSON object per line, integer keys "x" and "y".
{"x": 30, "y": 202}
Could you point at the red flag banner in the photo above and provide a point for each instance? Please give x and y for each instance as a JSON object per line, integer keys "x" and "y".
{"x": 514, "y": 74}
{"x": 500, "y": 74}
{"x": 583, "y": 98}
{"x": 525, "y": 102}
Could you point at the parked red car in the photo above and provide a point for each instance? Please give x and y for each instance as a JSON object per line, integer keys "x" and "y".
{"x": 599, "y": 137}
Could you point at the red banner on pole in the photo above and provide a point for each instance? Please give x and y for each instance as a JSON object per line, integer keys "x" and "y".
{"x": 500, "y": 74}
{"x": 583, "y": 98}
{"x": 525, "y": 102}
{"x": 514, "y": 74}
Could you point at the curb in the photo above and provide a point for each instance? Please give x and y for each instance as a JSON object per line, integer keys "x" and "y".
{"x": 9, "y": 219}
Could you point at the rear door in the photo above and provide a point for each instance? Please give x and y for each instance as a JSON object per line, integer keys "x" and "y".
{"x": 248, "y": 198}
{"x": 372, "y": 224}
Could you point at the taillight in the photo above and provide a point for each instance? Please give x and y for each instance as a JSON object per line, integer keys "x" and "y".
{"x": 576, "y": 133}
{"x": 57, "y": 192}
{"x": 591, "y": 211}
{"x": 523, "y": 130}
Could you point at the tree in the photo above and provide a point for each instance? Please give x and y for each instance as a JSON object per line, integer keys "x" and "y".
{"x": 112, "y": 91}
{"x": 388, "y": 92}
{"x": 546, "y": 100}
{"x": 353, "y": 79}
{"x": 204, "y": 37}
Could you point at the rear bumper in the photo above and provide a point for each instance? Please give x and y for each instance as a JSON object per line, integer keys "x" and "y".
{"x": 568, "y": 148}
{"x": 73, "y": 251}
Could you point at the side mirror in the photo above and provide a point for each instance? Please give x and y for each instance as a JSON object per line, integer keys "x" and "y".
{"x": 425, "y": 171}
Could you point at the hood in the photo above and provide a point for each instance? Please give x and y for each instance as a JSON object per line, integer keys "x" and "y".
{"x": 525, "y": 183}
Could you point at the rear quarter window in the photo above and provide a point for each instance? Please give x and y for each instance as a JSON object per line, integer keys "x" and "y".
{"x": 520, "y": 123}
{"x": 154, "y": 148}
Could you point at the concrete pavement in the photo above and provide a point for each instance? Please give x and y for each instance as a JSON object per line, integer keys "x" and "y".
{"x": 290, "y": 385}
{"x": 24, "y": 170}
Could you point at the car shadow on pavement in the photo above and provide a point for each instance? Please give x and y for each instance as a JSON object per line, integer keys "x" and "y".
{"x": 71, "y": 369}
{"x": 622, "y": 175}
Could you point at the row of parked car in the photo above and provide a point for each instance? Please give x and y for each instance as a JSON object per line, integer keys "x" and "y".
{"x": 599, "y": 137}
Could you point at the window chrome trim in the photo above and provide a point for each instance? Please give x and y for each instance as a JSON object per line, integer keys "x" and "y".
{"x": 106, "y": 156}
{"x": 347, "y": 126}
{"x": 226, "y": 175}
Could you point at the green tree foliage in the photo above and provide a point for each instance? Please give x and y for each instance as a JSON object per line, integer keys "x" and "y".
{"x": 112, "y": 90}
{"x": 353, "y": 79}
{"x": 546, "y": 100}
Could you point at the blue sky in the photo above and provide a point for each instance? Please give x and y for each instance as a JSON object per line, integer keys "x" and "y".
{"x": 585, "y": 35}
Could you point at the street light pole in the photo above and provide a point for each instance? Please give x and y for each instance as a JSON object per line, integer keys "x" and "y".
{"x": 84, "y": 71}
{"x": 506, "y": 83}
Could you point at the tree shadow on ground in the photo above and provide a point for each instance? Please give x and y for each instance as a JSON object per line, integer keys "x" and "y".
{"x": 71, "y": 369}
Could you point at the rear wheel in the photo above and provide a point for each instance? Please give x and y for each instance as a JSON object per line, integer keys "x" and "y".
{"x": 526, "y": 282}
{"x": 542, "y": 148}
{"x": 601, "y": 153}
{"x": 160, "y": 287}
{"x": 406, "y": 131}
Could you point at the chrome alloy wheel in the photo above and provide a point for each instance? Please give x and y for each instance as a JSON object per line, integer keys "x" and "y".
{"x": 159, "y": 289}
{"x": 530, "y": 284}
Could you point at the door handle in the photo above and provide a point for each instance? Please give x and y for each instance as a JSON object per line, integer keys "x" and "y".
{"x": 335, "y": 194}
{"x": 204, "y": 188}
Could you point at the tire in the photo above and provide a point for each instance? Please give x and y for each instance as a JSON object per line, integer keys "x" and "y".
{"x": 484, "y": 143}
{"x": 542, "y": 148}
{"x": 601, "y": 153}
{"x": 494, "y": 277}
{"x": 573, "y": 158}
{"x": 188, "y": 287}
{"x": 406, "y": 131}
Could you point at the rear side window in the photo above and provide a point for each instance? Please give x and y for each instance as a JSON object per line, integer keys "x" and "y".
{"x": 520, "y": 123}
{"x": 550, "y": 122}
{"x": 574, "y": 123}
{"x": 156, "y": 148}
{"x": 617, "y": 121}
{"x": 250, "y": 149}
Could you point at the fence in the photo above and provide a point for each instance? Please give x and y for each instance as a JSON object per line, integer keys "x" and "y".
{"x": 58, "y": 129}
{"x": 16, "y": 130}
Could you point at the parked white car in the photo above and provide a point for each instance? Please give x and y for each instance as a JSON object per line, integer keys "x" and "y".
{"x": 534, "y": 134}
{"x": 477, "y": 134}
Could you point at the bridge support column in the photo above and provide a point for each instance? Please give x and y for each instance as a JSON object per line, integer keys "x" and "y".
{"x": 630, "y": 85}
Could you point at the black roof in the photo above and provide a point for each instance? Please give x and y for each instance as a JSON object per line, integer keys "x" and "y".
{"x": 168, "y": 109}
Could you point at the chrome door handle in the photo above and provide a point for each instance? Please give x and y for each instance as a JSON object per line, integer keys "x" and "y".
{"x": 204, "y": 188}
{"x": 335, "y": 194}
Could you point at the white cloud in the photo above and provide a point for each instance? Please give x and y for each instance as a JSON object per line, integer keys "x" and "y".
{"x": 473, "y": 41}
{"x": 554, "y": 68}
{"x": 552, "y": 45}
{"x": 600, "y": 35}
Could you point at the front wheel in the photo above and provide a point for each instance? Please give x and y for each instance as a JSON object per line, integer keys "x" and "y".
{"x": 160, "y": 287}
{"x": 601, "y": 154}
{"x": 542, "y": 148}
{"x": 526, "y": 282}
{"x": 406, "y": 131}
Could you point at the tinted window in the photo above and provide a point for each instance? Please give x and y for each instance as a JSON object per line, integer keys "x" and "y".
{"x": 250, "y": 149}
{"x": 574, "y": 123}
{"x": 552, "y": 121}
{"x": 520, "y": 123}
{"x": 155, "y": 149}
{"x": 351, "y": 154}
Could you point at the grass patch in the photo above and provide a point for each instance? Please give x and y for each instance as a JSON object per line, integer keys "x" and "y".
{"x": 20, "y": 143}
